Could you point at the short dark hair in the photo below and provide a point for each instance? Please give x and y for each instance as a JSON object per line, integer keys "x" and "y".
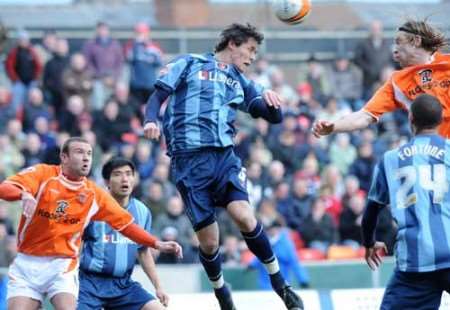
{"x": 431, "y": 37}
{"x": 114, "y": 163}
{"x": 66, "y": 145}
{"x": 426, "y": 111}
{"x": 239, "y": 34}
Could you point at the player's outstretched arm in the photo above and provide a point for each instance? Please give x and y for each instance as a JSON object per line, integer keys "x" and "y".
{"x": 353, "y": 121}
{"x": 10, "y": 192}
{"x": 140, "y": 236}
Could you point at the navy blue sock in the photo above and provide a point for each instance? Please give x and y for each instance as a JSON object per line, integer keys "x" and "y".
{"x": 212, "y": 265}
{"x": 259, "y": 244}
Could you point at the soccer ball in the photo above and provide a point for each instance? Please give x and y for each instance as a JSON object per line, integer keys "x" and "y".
{"x": 291, "y": 11}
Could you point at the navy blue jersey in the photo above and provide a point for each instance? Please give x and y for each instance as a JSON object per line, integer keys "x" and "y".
{"x": 205, "y": 96}
{"x": 414, "y": 181}
{"x": 107, "y": 251}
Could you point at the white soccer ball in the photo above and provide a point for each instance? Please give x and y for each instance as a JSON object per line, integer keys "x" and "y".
{"x": 291, "y": 11}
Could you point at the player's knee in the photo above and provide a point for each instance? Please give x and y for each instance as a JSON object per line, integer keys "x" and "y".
{"x": 209, "y": 246}
{"x": 246, "y": 222}
{"x": 153, "y": 305}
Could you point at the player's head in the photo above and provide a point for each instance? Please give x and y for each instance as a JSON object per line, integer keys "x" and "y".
{"x": 76, "y": 157}
{"x": 119, "y": 175}
{"x": 416, "y": 37}
{"x": 426, "y": 113}
{"x": 241, "y": 42}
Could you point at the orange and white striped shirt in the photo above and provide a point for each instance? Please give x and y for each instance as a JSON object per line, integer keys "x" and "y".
{"x": 64, "y": 208}
{"x": 406, "y": 84}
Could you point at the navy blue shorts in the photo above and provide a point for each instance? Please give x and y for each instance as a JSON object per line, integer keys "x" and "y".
{"x": 97, "y": 292}
{"x": 206, "y": 179}
{"x": 416, "y": 290}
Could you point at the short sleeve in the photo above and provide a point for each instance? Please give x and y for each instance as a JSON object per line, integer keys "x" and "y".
{"x": 110, "y": 211}
{"x": 382, "y": 101}
{"x": 30, "y": 178}
{"x": 379, "y": 191}
{"x": 172, "y": 74}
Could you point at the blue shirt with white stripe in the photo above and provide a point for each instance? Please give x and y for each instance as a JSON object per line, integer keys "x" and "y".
{"x": 205, "y": 96}
{"x": 109, "y": 253}
{"x": 414, "y": 181}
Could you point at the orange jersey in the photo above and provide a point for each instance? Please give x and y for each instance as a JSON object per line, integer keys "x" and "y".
{"x": 406, "y": 84}
{"x": 64, "y": 208}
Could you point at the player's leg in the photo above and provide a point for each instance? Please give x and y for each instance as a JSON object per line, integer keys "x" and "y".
{"x": 64, "y": 301}
{"x": 90, "y": 292}
{"x": 23, "y": 288}
{"x": 234, "y": 196}
{"x": 23, "y": 303}
{"x": 412, "y": 290}
{"x": 62, "y": 284}
{"x": 211, "y": 260}
{"x": 259, "y": 245}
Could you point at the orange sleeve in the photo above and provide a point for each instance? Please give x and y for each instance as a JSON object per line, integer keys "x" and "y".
{"x": 139, "y": 235}
{"x": 10, "y": 192}
{"x": 110, "y": 211}
{"x": 382, "y": 101}
{"x": 29, "y": 179}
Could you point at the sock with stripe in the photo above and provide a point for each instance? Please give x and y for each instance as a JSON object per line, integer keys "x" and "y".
{"x": 212, "y": 265}
{"x": 259, "y": 244}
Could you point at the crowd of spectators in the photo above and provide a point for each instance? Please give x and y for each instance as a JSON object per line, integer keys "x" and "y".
{"x": 313, "y": 189}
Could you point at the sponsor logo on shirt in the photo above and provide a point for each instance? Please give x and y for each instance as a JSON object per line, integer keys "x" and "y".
{"x": 219, "y": 77}
{"x": 59, "y": 217}
{"x": 427, "y": 83}
{"x": 116, "y": 239}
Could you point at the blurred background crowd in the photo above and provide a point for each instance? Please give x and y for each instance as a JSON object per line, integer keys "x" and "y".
{"x": 309, "y": 193}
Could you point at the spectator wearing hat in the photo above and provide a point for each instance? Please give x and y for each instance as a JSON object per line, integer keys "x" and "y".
{"x": 23, "y": 68}
{"x": 144, "y": 58}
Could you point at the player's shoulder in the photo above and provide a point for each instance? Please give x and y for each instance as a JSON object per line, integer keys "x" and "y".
{"x": 140, "y": 205}
{"x": 45, "y": 169}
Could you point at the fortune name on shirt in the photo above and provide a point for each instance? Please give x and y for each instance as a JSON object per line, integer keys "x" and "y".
{"x": 424, "y": 149}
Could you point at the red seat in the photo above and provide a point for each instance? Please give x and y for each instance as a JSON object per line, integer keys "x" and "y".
{"x": 306, "y": 254}
{"x": 297, "y": 239}
{"x": 341, "y": 252}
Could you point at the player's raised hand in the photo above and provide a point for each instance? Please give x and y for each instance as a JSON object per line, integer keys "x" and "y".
{"x": 162, "y": 296}
{"x": 272, "y": 99}
{"x": 28, "y": 204}
{"x": 322, "y": 128}
{"x": 170, "y": 247}
{"x": 151, "y": 131}
{"x": 372, "y": 255}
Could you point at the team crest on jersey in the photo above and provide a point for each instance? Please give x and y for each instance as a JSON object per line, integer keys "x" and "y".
{"x": 222, "y": 66}
{"x": 82, "y": 197}
{"x": 426, "y": 76}
{"x": 61, "y": 206}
